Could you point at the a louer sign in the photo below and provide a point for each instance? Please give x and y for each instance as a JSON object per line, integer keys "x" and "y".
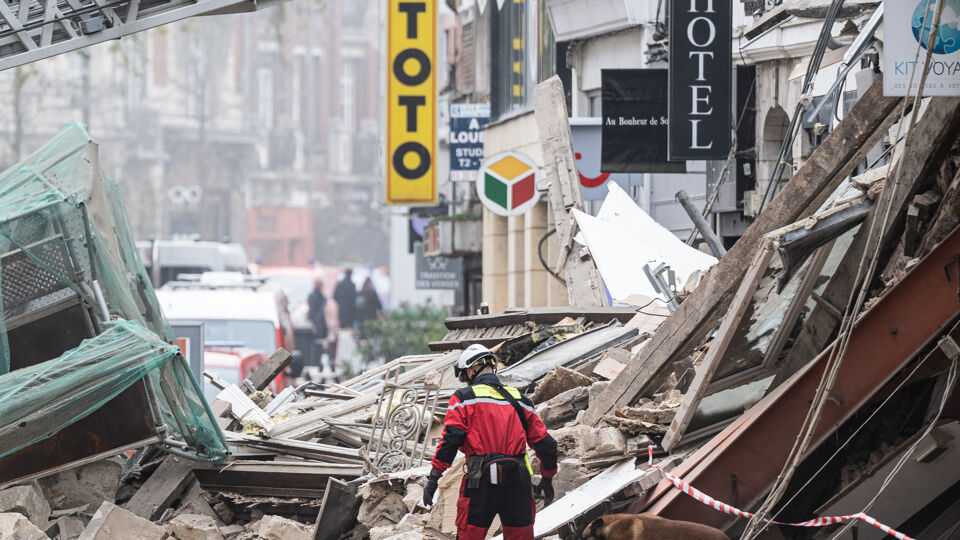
{"x": 700, "y": 77}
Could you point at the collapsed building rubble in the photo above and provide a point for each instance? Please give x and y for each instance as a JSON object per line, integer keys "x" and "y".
{"x": 722, "y": 387}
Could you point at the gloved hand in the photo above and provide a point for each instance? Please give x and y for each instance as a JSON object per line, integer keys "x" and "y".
{"x": 545, "y": 488}
{"x": 430, "y": 488}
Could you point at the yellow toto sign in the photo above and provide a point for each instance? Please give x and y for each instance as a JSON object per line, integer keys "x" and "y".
{"x": 411, "y": 102}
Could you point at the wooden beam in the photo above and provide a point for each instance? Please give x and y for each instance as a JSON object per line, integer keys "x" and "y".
{"x": 314, "y": 450}
{"x": 486, "y": 321}
{"x": 697, "y": 389}
{"x": 862, "y": 128}
{"x": 768, "y": 21}
{"x": 911, "y": 231}
{"x": 584, "y": 286}
{"x": 264, "y": 375}
{"x": 273, "y": 478}
{"x": 940, "y": 119}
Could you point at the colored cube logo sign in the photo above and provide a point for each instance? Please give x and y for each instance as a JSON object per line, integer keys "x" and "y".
{"x": 507, "y": 184}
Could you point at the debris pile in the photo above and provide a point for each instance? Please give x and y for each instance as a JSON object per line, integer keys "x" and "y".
{"x": 721, "y": 387}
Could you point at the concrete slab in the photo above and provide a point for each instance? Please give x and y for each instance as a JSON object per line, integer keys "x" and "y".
{"x": 114, "y": 523}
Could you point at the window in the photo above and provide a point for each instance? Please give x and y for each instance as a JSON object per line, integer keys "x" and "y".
{"x": 265, "y": 92}
{"x": 347, "y": 95}
{"x": 508, "y": 90}
{"x": 252, "y": 334}
{"x": 521, "y": 52}
{"x": 267, "y": 223}
{"x": 160, "y": 57}
{"x": 353, "y": 12}
{"x": 595, "y": 102}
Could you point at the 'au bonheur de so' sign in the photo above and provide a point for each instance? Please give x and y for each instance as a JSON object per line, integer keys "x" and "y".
{"x": 700, "y": 76}
{"x": 411, "y": 102}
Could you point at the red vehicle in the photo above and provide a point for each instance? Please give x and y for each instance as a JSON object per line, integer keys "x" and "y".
{"x": 233, "y": 366}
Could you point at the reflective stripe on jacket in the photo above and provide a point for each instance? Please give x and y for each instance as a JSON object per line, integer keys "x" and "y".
{"x": 481, "y": 421}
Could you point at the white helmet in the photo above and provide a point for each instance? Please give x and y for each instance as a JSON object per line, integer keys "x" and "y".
{"x": 474, "y": 355}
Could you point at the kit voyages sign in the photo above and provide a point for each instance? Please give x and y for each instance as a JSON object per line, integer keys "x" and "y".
{"x": 411, "y": 102}
{"x": 507, "y": 184}
{"x": 701, "y": 70}
{"x": 907, "y": 25}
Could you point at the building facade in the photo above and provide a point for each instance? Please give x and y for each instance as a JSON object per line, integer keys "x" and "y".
{"x": 216, "y": 127}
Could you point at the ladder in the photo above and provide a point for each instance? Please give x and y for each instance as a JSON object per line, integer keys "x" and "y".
{"x": 32, "y": 30}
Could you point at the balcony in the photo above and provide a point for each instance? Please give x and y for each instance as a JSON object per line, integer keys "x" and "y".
{"x": 580, "y": 19}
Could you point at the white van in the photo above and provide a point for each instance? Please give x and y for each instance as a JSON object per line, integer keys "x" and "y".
{"x": 190, "y": 257}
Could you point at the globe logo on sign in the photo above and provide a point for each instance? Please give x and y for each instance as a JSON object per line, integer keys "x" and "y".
{"x": 507, "y": 185}
{"x": 948, "y": 35}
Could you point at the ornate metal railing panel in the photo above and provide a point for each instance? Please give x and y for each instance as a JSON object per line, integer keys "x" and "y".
{"x": 401, "y": 427}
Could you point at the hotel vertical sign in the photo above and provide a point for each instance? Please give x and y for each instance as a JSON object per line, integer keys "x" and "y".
{"x": 411, "y": 102}
{"x": 700, "y": 79}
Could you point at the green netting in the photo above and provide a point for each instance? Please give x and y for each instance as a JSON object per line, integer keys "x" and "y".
{"x": 65, "y": 241}
{"x": 38, "y": 401}
{"x": 62, "y": 226}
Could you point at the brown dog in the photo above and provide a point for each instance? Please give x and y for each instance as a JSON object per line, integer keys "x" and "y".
{"x": 648, "y": 527}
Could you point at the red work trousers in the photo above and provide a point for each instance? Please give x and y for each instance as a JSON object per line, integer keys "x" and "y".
{"x": 514, "y": 503}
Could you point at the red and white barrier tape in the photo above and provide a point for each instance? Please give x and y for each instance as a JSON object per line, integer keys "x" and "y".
{"x": 717, "y": 505}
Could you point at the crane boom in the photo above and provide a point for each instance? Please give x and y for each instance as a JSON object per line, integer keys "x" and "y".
{"x": 32, "y": 30}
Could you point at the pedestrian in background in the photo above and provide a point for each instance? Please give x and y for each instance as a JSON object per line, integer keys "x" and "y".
{"x": 316, "y": 303}
{"x": 316, "y": 306}
{"x": 368, "y": 302}
{"x": 346, "y": 296}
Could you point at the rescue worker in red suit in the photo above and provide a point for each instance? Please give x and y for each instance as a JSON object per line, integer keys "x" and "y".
{"x": 492, "y": 425}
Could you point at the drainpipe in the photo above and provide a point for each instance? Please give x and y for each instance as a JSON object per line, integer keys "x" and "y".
{"x": 716, "y": 246}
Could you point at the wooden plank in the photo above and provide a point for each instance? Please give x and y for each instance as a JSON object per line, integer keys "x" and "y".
{"x": 445, "y": 346}
{"x": 338, "y": 510}
{"x": 243, "y": 408}
{"x": 584, "y": 287}
{"x": 345, "y": 390}
{"x": 273, "y": 478}
{"x": 485, "y": 321}
{"x": 862, "y": 128}
{"x": 697, "y": 389}
{"x": 377, "y": 373}
{"x": 910, "y": 233}
{"x": 767, "y": 22}
{"x": 268, "y": 371}
{"x": 600, "y": 315}
{"x": 317, "y": 451}
{"x": 933, "y": 130}
{"x": 164, "y": 486}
